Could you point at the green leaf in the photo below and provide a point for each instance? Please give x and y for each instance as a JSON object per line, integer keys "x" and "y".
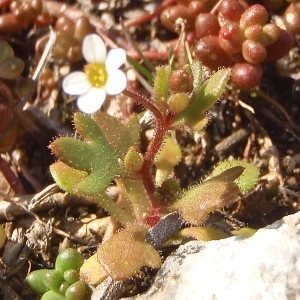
{"x": 89, "y": 129}
{"x": 120, "y": 136}
{"x": 196, "y": 203}
{"x": 167, "y": 158}
{"x": 66, "y": 177}
{"x": 75, "y": 153}
{"x": 76, "y": 291}
{"x": 135, "y": 193}
{"x": 196, "y": 121}
{"x": 94, "y": 156}
{"x": 161, "y": 84}
{"x": 68, "y": 259}
{"x": 53, "y": 279}
{"x": 211, "y": 90}
{"x": 197, "y": 74}
{"x": 140, "y": 68}
{"x": 35, "y": 281}
{"x": 246, "y": 180}
{"x": 126, "y": 252}
{"x": 52, "y": 295}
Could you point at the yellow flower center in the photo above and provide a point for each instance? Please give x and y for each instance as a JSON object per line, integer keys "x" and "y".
{"x": 97, "y": 74}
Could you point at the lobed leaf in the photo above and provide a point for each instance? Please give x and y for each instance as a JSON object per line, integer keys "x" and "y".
{"x": 248, "y": 178}
{"x": 75, "y": 153}
{"x": 66, "y": 177}
{"x": 95, "y": 162}
{"x": 196, "y": 203}
{"x": 126, "y": 252}
{"x": 89, "y": 129}
{"x": 200, "y": 200}
{"x": 120, "y": 136}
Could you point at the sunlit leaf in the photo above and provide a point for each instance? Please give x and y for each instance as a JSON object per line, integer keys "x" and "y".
{"x": 248, "y": 178}
{"x": 196, "y": 203}
{"x": 120, "y": 136}
{"x": 161, "y": 85}
{"x": 167, "y": 158}
{"x": 126, "y": 252}
{"x": 92, "y": 272}
{"x": 94, "y": 156}
{"x": 66, "y": 177}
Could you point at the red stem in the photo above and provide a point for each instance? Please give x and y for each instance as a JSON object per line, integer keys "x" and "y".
{"x": 161, "y": 128}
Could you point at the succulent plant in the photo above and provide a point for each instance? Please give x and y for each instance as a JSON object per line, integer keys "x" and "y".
{"x": 235, "y": 35}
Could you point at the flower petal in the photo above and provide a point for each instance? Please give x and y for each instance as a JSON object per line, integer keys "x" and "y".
{"x": 76, "y": 83}
{"x": 116, "y": 82}
{"x": 94, "y": 49}
{"x": 91, "y": 101}
{"x": 115, "y": 59}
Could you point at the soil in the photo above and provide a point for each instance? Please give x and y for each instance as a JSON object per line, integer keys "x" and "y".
{"x": 261, "y": 126}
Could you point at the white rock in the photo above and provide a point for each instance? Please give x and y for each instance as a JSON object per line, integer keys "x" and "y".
{"x": 265, "y": 266}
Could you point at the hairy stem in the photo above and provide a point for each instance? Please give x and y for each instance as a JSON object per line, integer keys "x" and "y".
{"x": 161, "y": 128}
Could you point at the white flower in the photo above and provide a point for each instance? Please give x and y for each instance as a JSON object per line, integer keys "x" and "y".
{"x": 101, "y": 75}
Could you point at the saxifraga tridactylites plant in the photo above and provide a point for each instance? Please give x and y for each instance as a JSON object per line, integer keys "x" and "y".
{"x": 109, "y": 150}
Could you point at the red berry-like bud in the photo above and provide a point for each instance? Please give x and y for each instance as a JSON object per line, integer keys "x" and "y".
{"x": 206, "y": 24}
{"x": 170, "y": 15}
{"x": 271, "y": 33}
{"x": 231, "y": 10}
{"x": 253, "y": 52}
{"x": 255, "y": 14}
{"x": 254, "y": 32}
{"x": 211, "y": 54}
{"x": 291, "y": 18}
{"x": 181, "y": 81}
{"x": 246, "y": 76}
{"x": 231, "y": 37}
{"x": 197, "y": 7}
